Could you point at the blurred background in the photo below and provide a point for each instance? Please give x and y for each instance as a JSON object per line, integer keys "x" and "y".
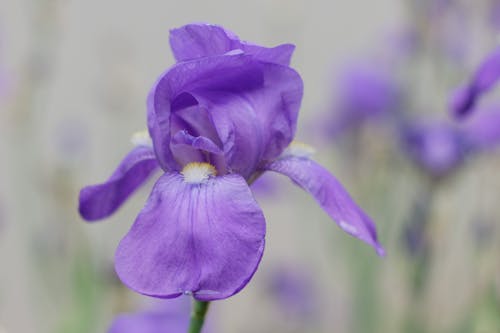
{"x": 74, "y": 76}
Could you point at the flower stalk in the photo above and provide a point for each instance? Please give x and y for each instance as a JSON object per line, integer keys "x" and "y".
{"x": 198, "y": 316}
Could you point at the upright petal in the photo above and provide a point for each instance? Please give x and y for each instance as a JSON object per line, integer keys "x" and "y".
{"x": 238, "y": 128}
{"x": 274, "y": 92}
{"x": 202, "y": 238}
{"x": 201, "y": 40}
{"x": 194, "y": 41}
{"x": 330, "y": 195}
{"x": 255, "y": 124}
{"x": 277, "y": 106}
{"x": 281, "y": 54}
{"x": 101, "y": 200}
{"x": 265, "y": 116}
{"x": 228, "y": 72}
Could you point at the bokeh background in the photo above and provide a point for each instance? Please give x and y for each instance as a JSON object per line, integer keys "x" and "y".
{"x": 74, "y": 76}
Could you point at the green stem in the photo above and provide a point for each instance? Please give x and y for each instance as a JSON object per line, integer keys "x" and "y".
{"x": 198, "y": 316}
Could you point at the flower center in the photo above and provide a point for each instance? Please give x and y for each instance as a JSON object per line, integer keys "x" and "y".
{"x": 198, "y": 172}
{"x": 141, "y": 138}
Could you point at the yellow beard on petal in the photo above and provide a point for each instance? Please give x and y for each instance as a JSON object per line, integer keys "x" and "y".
{"x": 198, "y": 172}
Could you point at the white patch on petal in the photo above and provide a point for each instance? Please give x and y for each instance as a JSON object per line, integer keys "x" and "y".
{"x": 299, "y": 149}
{"x": 350, "y": 229}
{"x": 141, "y": 138}
{"x": 197, "y": 173}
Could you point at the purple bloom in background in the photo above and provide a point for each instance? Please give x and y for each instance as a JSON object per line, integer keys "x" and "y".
{"x": 440, "y": 147}
{"x": 465, "y": 98}
{"x": 221, "y": 116}
{"x": 294, "y": 292}
{"x": 171, "y": 316}
{"x": 482, "y": 129}
{"x": 366, "y": 92}
{"x": 436, "y": 147}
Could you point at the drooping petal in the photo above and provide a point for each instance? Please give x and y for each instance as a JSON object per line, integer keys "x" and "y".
{"x": 330, "y": 195}
{"x": 194, "y": 41}
{"x": 101, "y": 200}
{"x": 202, "y": 238}
{"x": 483, "y": 80}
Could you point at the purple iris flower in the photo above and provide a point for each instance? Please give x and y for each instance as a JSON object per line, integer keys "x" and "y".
{"x": 221, "y": 116}
{"x": 482, "y": 129}
{"x": 441, "y": 147}
{"x": 294, "y": 292}
{"x": 170, "y": 316}
{"x": 366, "y": 92}
{"x": 465, "y": 98}
{"x": 437, "y": 147}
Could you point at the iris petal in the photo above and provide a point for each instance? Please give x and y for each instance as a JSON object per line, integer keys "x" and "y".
{"x": 198, "y": 142}
{"x": 255, "y": 124}
{"x": 238, "y": 129}
{"x": 330, "y": 195}
{"x": 277, "y": 105}
{"x": 101, "y": 200}
{"x": 229, "y": 72}
{"x": 206, "y": 239}
{"x": 194, "y": 41}
{"x": 274, "y": 92}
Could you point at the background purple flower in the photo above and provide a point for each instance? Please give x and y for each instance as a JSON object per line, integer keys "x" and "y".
{"x": 170, "y": 316}
{"x": 436, "y": 147}
{"x": 441, "y": 147}
{"x": 294, "y": 292}
{"x": 482, "y": 130}
{"x": 365, "y": 92}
